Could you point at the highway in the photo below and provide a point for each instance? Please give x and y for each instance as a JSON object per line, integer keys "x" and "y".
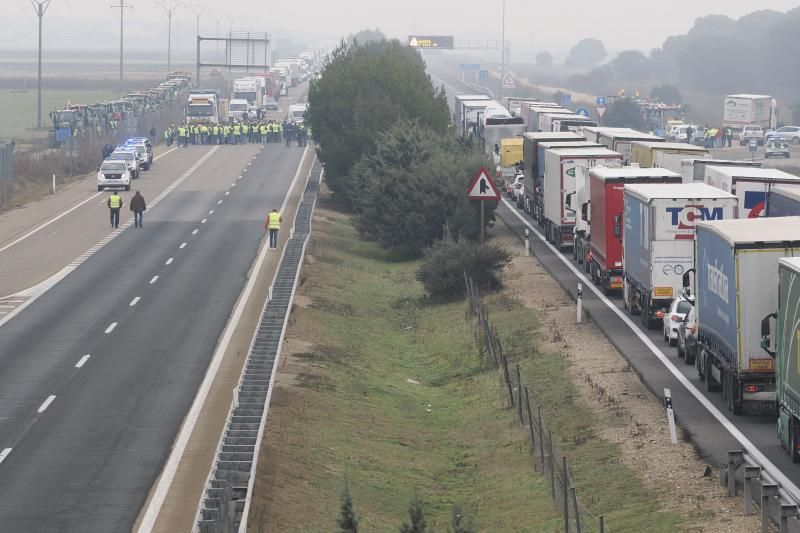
{"x": 100, "y": 370}
{"x": 712, "y": 429}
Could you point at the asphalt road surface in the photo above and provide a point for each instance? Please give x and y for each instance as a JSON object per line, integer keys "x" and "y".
{"x": 99, "y": 372}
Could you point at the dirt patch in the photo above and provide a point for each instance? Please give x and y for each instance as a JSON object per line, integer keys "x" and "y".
{"x": 625, "y": 412}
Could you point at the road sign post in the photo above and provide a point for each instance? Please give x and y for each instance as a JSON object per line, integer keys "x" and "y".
{"x": 482, "y": 188}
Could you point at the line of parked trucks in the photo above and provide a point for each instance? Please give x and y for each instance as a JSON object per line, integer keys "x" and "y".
{"x": 691, "y": 243}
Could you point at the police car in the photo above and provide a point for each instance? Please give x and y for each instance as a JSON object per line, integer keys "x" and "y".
{"x": 122, "y": 153}
{"x": 144, "y": 144}
{"x": 113, "y": 174}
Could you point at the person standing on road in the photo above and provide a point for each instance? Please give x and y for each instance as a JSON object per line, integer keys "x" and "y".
{"x": 729, "y": 136}
{"x": 115, "y": 203}
{"x": 138, "y": 207}
{"x": 273, "y": 225}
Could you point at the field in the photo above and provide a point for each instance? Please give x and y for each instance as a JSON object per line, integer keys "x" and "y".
{"x": 19, "y": 109}
{"x": 383, "y": 388}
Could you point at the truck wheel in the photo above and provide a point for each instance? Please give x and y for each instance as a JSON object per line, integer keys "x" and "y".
{"x": 681, "y": 353}
{"x": 793, "y": 441}
{"x": 688, "y": 358}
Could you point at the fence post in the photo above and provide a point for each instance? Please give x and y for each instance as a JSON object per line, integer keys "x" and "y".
{"x": 750, "y": 473}
{"x": 575, "y": 506}
{"x": 767, "y": 491}
{"x": 551, "y": 463}
{"x": 602, "y": 521}
{"x": 565, "y": 492}
{"x": 507, "y": 377}
{"x": 530, "y": 420}
{"x": 519, "y": 397}
{"x": 541, "y": 433}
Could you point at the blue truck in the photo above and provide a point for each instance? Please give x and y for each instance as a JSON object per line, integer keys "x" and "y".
{"x": 736, "y": 263}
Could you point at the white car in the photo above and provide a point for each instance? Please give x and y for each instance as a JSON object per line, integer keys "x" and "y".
{"x": 673, "y": 319}
{"x": 113, "y": 174}
{"x": 129, "y": 156}
{"x": 142, "y": 154}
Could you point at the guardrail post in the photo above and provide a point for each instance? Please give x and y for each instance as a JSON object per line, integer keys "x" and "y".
{"x": 602, "y": 524}
{"x": 767, "y": 491}
{"x": 750, "y": 473}
{"x": 734, "y": 459}
{"x": 788, "y": 510}
{"x": 565, "y": 481}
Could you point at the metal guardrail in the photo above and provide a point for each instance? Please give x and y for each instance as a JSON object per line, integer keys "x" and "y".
{"x": 225, "y": 503}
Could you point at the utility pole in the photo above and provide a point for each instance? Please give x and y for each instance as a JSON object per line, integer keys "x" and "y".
{"x": 170, "y": 6}
{"x": 502, "y": 57}
{"x": 40, "y": 8}
{"x": 122, "y": 7}
{"x": 198, "y": 9}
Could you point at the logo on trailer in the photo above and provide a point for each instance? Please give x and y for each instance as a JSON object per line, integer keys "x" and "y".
{"x": 570, "y": 172}
{"x": 717, "y": 281}
{"x": 684, "y": 219}
{"x": 754, "y": 202}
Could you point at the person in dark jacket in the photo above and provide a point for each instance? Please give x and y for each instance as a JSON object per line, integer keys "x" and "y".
{"x": 138, "y": 207}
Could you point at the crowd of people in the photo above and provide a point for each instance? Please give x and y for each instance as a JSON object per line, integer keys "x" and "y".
{"x": 245, "y": 132}
{"x": 712, "y": 137}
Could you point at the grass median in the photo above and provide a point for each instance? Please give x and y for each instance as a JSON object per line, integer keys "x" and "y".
{"x": 385, "y": 389}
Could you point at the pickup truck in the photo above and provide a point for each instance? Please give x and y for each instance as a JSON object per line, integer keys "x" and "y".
{"x": 751, "y": 133}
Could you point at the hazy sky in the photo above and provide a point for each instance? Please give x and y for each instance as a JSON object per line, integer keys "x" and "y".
{"x": 553, "y": 25}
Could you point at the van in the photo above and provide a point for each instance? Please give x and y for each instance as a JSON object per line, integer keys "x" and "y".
{"x": 113, "y": 174}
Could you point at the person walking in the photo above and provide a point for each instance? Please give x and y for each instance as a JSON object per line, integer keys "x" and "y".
{"x": 115, "y": 203}
{"x": 273, "y": 225}
{"x": 138, "y": 207}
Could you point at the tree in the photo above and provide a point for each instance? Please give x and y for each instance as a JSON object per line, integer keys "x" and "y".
{"x": 631, "y": 66}
{"x": 416, "y": 515}
{"x": 586, "y": 53}
{"x": 366, "y": 36}
{"x": 624, "y": 113}
{"x": 413, "y": 186}
{"x": 460, "y": 523}
{"x": 364, "y": 90}
{"x": 666, "y": 93}
{"x": 544, "y": 59}
{"x": 348, "y": 521}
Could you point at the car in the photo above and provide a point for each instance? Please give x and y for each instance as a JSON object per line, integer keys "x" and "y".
{"x": 113, "y": 174}
{"x": 751, "y": 133}
{"x": 270, "y": 104}
{"x": 687, "y": 337}
{"x": 129, "y": 156}
{"x": 788, "y": 134}
{"x": 145, "y": 156}
{"x": 776, "y": 148}
{"x": 680, "y": 306}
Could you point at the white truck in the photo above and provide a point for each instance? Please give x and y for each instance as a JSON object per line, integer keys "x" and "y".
{"x": 658, "y": 241}
{"x": 238, "y": 108}
{"x": 750, "y": 185}
{"x": 693, "y": 168}
{"x": 560, "y": 203}
{"x": 251, "y": 90}
{"x": 742, "y": 110}
{"x": 202, "y": 107}
{"x": 618, "y": 139}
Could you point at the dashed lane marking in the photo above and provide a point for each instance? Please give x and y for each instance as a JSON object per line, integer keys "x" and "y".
{"x": 111, "y": 327}
{"x": 182, "y": 246}
{"x": 194, "y": 231}
{"x": 134, "y": 301}
{"x": 46, "y": 404}
{"x": 82, "y": 361}
{"x": 4, "y": 453}
{"x": 155, "y": 278}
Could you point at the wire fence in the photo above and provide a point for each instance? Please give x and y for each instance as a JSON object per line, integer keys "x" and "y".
{"x": 547, "y": 459}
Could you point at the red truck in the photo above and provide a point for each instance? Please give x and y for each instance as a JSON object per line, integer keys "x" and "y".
{"x": 605, "y": 216}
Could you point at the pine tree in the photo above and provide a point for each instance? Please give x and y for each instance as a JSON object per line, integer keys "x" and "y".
{"x": 417, "y": 517}
{"x": 348, "y": 521}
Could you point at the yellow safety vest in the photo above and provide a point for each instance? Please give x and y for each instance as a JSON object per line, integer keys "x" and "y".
{"x": 245, "y": 129}
{"x": 263, "y": 130}
{"x": 274, "y": 221}
{"x": 204, "y": 129}
{"x": 114, "y": 201}
{"x": 237, "y": 130}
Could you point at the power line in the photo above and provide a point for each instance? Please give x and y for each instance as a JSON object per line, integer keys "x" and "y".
{"x": 122, "y": 7}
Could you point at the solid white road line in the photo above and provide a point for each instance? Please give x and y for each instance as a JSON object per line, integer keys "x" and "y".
{"x": 194, "y": 231}
{"x": 182, "y": 246}
{"x": 203, "y": 221}
{"x": 155, "y": 278}
{"x": 751, "y": 448}
{"x": 111, "y": 327}
{"x": 4, "y": 453}
{"x": 134, "y": 302}
{"x": 46, "y": 404}
{"x": 82, "y": 361}
{"x": 181, "y": 441}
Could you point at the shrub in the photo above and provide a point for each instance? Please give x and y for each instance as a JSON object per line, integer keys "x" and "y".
{"x": 446, "y": 261}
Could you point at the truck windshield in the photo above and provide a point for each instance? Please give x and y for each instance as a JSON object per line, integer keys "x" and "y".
{"x": 200, "y": 110}
{"x": 238, "y": 107}
{"x": 249, "y": 96}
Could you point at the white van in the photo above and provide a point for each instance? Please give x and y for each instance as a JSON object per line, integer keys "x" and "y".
{"x": 297, "y": 113}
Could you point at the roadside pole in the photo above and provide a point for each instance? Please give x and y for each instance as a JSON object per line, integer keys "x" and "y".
{"x": 483, "y": 188}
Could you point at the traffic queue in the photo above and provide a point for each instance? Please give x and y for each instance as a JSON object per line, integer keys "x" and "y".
{"x": 693, "y": 246}
{"x": 124, "y": 163}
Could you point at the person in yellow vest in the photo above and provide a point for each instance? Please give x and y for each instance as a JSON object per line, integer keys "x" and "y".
{"x": 245, "y": 133}
{"x": 227, "y": 131}
{"x": 273, "y": 225}
{"x": 204, "y": 134}
{"x": 115, "y": 203}
{"x": 237, "y": 133}
{"x": 183, "y": 135}
{"x": 263, "y": 130}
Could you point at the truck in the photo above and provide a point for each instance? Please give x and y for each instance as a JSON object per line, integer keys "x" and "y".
{"x": 742, "y": 110}
{"x": 531, "y": 111}
{"x": 238, "y": 109}
{"x": 657, "y": 244}
{"x": 693, "y": 170}
{"x": 559, "y": 183}
{"x": 496, "y": 124}
{"x": 783, "y": 201}
{"x": 251, "y": 90}
{"x": 510, "y": 159}
{"x": 514, "y": 104}
{"x": 202, "y": 107}
{"x": 568, "y": 122}
{"x": 750, "y": 185}
{"x": 530, "y": 154}
{"x": 786, "y": 354}
{"x": 644, "y": 152}
{"x": 458, "y": 108}
{"x": 471, "y": 110}
{"x": 618, "y": 139}
{"x": 737, "y": 261}
{"x": 605, "y": 207}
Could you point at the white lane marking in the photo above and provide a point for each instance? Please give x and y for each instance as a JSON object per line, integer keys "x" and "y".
{"x": 181, "y": 441}
{"x": 169, "y": 261}
{"x": 46, "y": 404}
{"x": 227, "y": 193}
{"x": 12, "y": 301}
{"x": 219, "y": 202}
{"x": 134, "y": 302}
{"x": 156, "y": 158}
{"x": 111, "y": 327}
{"x": 194, "y": 231}
{"x": 245, "y": 170}
{"x": 155, "y": 278}
{"x": 82, "y": 361}
{"x": 239, "y": 178}
{"x": 751, "y": 448}
{"x": 211, "y": 212}
{"x": 182, "y": 246}
{"x": 4, "y": 453}
{"x": 203, "y": 221}
{"x": 233, "y": 184}
{"x": 7, "y": 306}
